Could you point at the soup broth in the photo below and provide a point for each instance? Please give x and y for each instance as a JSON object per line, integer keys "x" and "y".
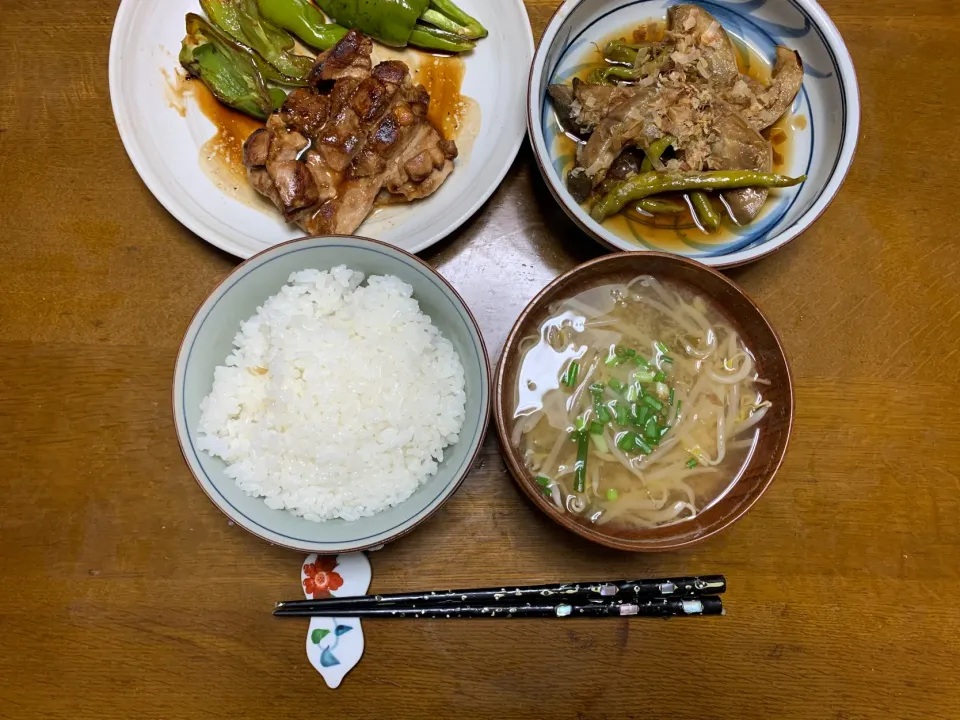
{"x": 637, "y": 404}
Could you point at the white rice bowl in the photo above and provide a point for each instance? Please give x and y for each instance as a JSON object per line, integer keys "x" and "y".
{"x": 338, "y": 398}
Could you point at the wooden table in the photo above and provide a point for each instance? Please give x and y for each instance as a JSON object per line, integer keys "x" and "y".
{"x": 126, "y": 594}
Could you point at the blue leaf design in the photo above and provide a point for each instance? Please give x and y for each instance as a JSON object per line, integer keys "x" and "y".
{"x": 327, "y": 658}
{"x": 341, "y": 629}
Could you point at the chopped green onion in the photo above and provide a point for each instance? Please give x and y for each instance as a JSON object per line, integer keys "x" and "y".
{"x": 596, "y": 428}
{"x": 612, "y": 494}
{"x": 570, "y": 377}
{"x": 611, "y": 360}
{"x": 664, "y": 430}
{"x": 679, "y": 405}
{"x": 666, "y": 359}
{"x": 659, "y": 376}
{"x": 670, "y": 400}
{"x": 633, "y": 392}
{"x": 600, "y": 443}
{"x": 627, "y": 441}
{"x": 620, "y": 351}
{"x": 616, "y": 385}
{"x": 631, "y": 353}
{"x": 641, "y": 361}
{"x": 621, "y": 414}
{"x": 642, "y": 412}
{"x": 662, "y": 348}
{"x": 651, "y": 430}
{"x": 692, "y": 463}
{"x": 644, "y": 377}
{"x": 653, "y": 402}
{"x": 581, "y": 423}
{"x": 642, "y": 446}
{"x": 580, "y": 468}
{"x": 603, "y": 414}
{"x": 543, "y": 481}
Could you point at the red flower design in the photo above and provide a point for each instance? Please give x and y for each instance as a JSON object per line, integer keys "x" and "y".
{"x": 321, "y": 580}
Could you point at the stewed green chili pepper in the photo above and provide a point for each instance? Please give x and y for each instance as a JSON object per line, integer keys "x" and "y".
{"x": 620, "y": 52}
{"x": 657, "y": 207}
{"x": 227, "y": 69}
{"x": 652, "y": 183}
{"x": 610, "y": 75}
{"x": 703, "y": 208}
{"x": 395, "y": 22}
{"x": 653, "y": 151}
{"x": 303, "y": 19}
{"x": 633, "y": 62}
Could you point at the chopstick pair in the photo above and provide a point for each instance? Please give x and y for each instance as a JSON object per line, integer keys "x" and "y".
{"x": 665, "y": 597}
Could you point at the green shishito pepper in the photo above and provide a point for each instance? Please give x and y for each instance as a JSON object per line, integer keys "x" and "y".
{"x": 389, "y": 21}
{"x": 228, "y": 37}
{"x": 240, "y": 19}
{"x": 429, "y": 24}
{"x": 303, "y": 19}
{"x": 227, "y": 69}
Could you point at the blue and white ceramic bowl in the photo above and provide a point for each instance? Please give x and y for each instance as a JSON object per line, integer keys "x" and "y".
{"x": 209, "y": 340}
{"x": 822, "y": 143}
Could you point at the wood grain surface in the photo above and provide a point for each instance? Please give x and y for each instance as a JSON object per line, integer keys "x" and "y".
{"x": 125, "y": 594}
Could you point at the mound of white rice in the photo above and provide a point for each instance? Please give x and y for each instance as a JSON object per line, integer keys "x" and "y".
{"x": 338, "y": 400}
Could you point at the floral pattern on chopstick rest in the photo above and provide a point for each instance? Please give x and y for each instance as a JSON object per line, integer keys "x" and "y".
{"x": 334, "y": 645}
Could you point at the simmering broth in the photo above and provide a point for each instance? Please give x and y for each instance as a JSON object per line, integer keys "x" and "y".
{"x": 637, "y": 404}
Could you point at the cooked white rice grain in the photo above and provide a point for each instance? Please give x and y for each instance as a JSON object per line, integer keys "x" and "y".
{"x": 338, "y": 399}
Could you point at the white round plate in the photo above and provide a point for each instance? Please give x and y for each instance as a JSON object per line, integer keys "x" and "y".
{"x": 164, "y": 147}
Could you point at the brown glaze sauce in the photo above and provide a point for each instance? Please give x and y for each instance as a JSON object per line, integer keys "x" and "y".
{"x": 670, "y": 232}
{"x": 232, "y": 128}
{"x": 442, "y": 77}
{"x": 220, "y": 157}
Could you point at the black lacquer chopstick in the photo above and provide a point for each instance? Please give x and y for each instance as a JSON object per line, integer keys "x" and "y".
{"x": 654, "y": 607}
{"x": 620, "y": 590}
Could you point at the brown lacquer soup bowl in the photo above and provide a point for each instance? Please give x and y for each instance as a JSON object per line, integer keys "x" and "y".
{"x": 769, "y": 447}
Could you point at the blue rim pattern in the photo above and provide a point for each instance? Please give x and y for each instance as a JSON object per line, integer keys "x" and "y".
{"x": 757, "y": 236}
{"x": 189, "y": 435}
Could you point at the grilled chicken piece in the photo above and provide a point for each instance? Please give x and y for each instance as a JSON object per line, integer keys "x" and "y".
{"x": 305, "y": 111}
{"x": 402, "y": 142}
{"x": 423, "y": 165}
{"x": 273, "y": 155}
{"x": 358, "y": 131}
{"x": 348, "y": 58}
